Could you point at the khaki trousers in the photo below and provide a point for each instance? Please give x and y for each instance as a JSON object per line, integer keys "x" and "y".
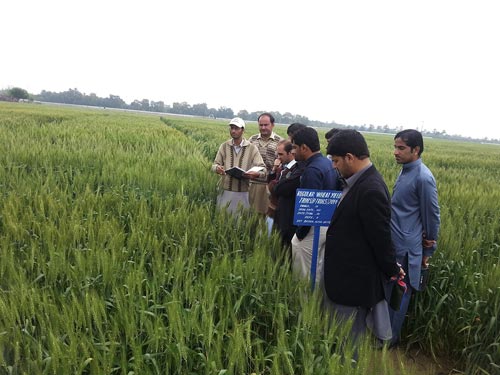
{"x": 302, "y": 255}
{"x": 258, "y": 195}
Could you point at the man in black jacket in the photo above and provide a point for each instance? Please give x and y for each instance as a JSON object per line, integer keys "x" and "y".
{"x": 359, "y": 256}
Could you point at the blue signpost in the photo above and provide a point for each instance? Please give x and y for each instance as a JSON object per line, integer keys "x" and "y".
{"x": 315, "y": 208}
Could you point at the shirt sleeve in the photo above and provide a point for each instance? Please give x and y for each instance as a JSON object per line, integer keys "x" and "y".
{"x": 257, "y": 161}
{"x": 219, "y": 158}
{"x": 429, "y": 209}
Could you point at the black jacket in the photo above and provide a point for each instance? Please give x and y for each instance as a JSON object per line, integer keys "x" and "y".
{"x": 359, "y": 252}
{"x": 285, "y": 190}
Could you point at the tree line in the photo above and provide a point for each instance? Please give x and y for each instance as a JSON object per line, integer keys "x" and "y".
{"x": 74, "y": 96}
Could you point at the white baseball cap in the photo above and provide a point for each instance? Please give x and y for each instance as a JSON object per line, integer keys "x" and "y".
{"x": 237, "y": 122}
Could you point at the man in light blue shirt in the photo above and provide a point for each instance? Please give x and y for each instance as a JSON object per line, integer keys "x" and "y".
{"x": 415, "y": 217}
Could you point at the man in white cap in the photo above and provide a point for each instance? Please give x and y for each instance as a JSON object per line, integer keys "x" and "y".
{"x": 237, "y": 152}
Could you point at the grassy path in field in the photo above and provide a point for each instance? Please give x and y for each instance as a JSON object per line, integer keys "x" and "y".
{"x": 418, "y": 363}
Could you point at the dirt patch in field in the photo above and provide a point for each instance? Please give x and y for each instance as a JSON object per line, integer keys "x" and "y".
{"x": 414, "y": 361}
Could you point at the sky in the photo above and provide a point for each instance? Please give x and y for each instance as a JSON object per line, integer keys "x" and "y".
{"x": 427, "y": 64}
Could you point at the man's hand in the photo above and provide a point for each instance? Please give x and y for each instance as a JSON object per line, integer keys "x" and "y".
{"x": 251, "y": 175}
{"x": 428, "y": 243}
{"x": 401, "y": 274}
{"x": 220, "y": 170}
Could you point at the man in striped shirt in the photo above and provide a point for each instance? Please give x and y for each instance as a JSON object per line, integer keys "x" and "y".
{"x": 236, "y": 152}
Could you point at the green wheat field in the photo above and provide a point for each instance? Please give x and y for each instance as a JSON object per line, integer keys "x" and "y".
{"x": 114, "y": 260}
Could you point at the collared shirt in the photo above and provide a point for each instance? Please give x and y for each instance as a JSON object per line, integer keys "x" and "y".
{"x": 318, "y": 174}
{"x": 237, "y": 148}
{"x": 267, "y": 149}
{"x": 259, "y": 136}
{"x": 349, "y": 182}
{"x": 287, "y": 166}
{"x": 290, "y": 164}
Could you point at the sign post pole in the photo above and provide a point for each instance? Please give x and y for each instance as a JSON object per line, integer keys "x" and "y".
{"x": 315, "y": 208}
{"x": 314, "y": 260}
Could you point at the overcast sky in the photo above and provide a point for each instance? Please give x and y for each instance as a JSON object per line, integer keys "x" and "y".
{"x": 429, "y": 63}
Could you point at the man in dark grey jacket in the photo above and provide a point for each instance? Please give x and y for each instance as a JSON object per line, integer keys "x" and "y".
{"x": 359, "y": 255}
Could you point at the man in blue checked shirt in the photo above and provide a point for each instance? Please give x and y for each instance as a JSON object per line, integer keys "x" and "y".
{"x": 415, "y": 217}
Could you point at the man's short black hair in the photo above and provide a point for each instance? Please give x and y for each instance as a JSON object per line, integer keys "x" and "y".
{"x": 292, "y": 128}
{"x": 307, "y": 136}
{"x": 348, "y": 141}
{"x": 412, "y": 138}
{"x": 271, "y": 117}
{"x": 330, "y": 133}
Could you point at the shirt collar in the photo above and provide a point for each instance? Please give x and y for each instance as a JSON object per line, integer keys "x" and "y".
{"x": 244, "y": 142}
{"x": 312, "y": 157}
{"x": 352, "y": 180}
{"x": 412, "y": 164}
{"x": 270, "y": 137}
{"x": 291, "y": 164}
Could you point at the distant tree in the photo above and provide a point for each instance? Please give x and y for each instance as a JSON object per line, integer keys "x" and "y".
{"x": 437, "y": 133}
{"x": 253, "y": 116}
{"x": 181, "y": 108}
{"x": 45, "y": 96}
{"x": 73, "y": 96}
{"x": 94, "y": 100}
{"x": 200, "y": 109}
{"x": 145, "y": 104}
{"x": 302, "y": 119}
{"x": 158, "y": 106}
{"x": 225, "y": 112}
{"x": 136, "y": 105}
{"x": 114, "y": 101}
{"x": 278, "y": 117}
{"x": 287, "y": 118}
{"x": 243, "y": 114}
{"x": 18, "y": 93}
